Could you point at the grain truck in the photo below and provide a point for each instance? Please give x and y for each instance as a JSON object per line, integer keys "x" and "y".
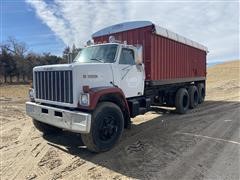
{"x": 121, "y": 73}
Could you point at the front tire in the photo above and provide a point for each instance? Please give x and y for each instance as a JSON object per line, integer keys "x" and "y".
{"x": 106, "y": 127}
{"x": 45, "y": 128}
{"x": 182, "y": 101}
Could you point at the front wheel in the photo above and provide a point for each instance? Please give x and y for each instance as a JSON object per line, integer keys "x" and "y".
{"x": 106, "y": 127}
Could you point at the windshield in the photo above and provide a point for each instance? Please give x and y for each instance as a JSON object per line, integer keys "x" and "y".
{"x": 102, "y": 54}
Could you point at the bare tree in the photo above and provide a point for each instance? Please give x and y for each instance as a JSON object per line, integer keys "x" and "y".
{"x": 19, "y": 50}
{"x": 16, "y": 60}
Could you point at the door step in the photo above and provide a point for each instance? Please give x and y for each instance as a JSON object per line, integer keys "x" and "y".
{"x": 139, "y": 105}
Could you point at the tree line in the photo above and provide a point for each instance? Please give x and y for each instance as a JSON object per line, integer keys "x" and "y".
{"x": 17, "y": 62}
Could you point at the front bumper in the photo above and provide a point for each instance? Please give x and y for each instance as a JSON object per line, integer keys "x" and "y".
{"x": 74, "y": 121}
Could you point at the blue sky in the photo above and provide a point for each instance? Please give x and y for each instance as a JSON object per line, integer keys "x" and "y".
{"x": 48, "y": 26}
{"x": 19, "y": 20}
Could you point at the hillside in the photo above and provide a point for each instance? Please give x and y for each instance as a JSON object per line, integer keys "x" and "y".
{"x": 223, "y": 81}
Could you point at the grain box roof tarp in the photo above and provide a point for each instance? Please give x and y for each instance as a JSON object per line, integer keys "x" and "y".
{"x": 158, "y": 30}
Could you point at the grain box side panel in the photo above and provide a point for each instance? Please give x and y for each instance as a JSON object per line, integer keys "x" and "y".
{"x": 173, "y": 60}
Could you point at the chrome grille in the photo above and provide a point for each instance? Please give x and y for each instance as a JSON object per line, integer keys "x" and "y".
{"x": 54, "y": 86}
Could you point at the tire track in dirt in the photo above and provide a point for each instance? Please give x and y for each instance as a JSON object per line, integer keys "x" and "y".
{"x": 173, "y": 151}
{"x": 197, "y": 161}
{"x": 23, "y": 156}
{"x": 68, "y": 169}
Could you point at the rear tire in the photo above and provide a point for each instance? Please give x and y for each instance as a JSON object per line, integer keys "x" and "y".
{"x": 182, "y": 101}
{"x": 106, "y": 127}
{"x": 201, "y": 91}
{"x": 194, "y": 96}
{"x": 45, "y": 128}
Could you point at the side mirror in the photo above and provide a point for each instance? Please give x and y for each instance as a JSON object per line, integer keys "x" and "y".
{"x": 139, "y": 58}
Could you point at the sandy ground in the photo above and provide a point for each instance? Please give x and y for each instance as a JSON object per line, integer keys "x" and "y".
{"x": 203, "y": 144}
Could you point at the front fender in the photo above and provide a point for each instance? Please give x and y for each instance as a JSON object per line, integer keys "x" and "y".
{"x": 96, "y": 93}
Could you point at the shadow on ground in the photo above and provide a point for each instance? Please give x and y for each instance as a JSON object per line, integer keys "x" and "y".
{"x": 148, "y": 148}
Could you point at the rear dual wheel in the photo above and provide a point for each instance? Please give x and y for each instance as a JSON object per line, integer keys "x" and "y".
{"x": 193, "y": 96}
{"x": 201, "y": 90}
{"x": 189, "y": 98}
{"x": 182, "y": 101}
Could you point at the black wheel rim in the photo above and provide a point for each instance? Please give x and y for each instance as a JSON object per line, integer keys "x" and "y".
{"x": 108, "y": 128}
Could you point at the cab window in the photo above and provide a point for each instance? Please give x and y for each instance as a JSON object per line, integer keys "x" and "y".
{"x": 97, "y": 54}
{"x": 127, "y": 57}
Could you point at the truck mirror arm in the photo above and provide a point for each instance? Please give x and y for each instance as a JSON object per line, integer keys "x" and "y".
{"x": 113, "y": 84}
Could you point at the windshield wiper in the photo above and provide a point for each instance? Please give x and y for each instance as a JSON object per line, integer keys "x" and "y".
{"x": 99, "y": 60}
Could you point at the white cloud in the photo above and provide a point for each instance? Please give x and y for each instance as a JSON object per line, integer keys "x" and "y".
{"x": 55, "y": 23}
{"x": 214, "y": 24}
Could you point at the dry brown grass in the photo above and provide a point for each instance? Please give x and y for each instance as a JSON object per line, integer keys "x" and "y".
{"x": 14, "y": 91}
{"x": 223, "y": 80}
{"x": 224, "y": 72}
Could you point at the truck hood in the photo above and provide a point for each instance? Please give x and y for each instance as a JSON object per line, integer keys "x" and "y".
{"x": 93, "y": 74}
{"x": 83, "y": 74}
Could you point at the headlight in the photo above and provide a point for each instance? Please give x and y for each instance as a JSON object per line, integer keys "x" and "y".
{"x": 84, "y": 99}
{"x": 31, "y": 94}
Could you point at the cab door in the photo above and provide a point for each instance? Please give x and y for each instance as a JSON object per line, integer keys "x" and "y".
{"x": 130, "y": 77}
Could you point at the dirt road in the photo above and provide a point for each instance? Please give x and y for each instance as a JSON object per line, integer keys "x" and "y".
{"x": 202, "y": 144}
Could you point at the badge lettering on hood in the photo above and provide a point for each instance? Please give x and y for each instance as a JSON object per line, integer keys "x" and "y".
{"x": 90, "y": 76}
{"x": 48, "y": 68}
